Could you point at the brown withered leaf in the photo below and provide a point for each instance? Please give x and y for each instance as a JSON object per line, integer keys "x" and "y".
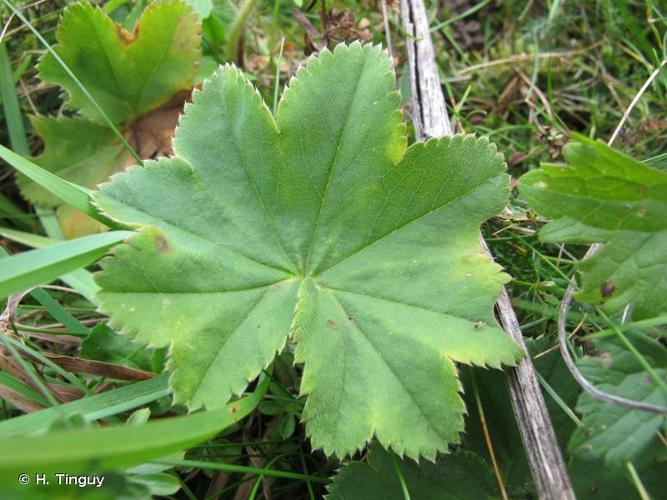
{"x": 152, "y": 134}
{"x": 98, "y": 368}
{"x": 66, "y": 393}
{"x": 18, "y": 400}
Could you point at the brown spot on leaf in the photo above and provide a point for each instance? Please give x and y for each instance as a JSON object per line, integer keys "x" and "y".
{"x": 607, "y": 288}
{"x": 233, "y": 409}
{"x": 125, "y": 36}
{"x": 606, "y": 359}
{"x": 162, "y": 244}
{"x": 332, "y": 324}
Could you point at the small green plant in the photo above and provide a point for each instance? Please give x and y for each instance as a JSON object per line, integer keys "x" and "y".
{"x": 604, "y": 196}
{"x": 319, "y": 227}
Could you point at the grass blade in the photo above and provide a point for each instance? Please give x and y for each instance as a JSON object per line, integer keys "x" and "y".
{"x": 244, "y": 469}
{"x": 37, "y": 267}
{"x": 19, "y": 143}
{"x": 236, "y": 31}
{"x": 76, "y": 196}
{"x": 80, "y": 279}
{"x": 94, "y": 449}
{"x": 27, "y": 239}
{"x": 59, "y": 313}
{"x": 19, "y": 387}
{"x": 11, "y": 106}
{"x": 15, "y": 129}
{"x": 91, "y": 408}
{"x": 10, "y": 211}
{"x": 49, "y": 221}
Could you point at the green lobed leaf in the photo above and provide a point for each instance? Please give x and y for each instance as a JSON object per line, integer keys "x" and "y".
{"x": 614, "y": 433}
{"x": 459, "y": 476}
{"x": 605, "y": 196}
{"x": 128, "y": 74}
{"x": 103, "y": 345}
{"x": 320, "y": 227}
{"x": 77, "y": 150}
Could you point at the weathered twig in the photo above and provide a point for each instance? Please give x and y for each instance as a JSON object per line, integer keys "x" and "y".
{"x": 431, "y": 120}
{"x": 428, "y": 103}
{"x": 385, "y": 24}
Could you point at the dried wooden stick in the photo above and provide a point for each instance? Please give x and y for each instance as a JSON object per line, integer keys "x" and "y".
{"x": 428, "y": 103}
{"x": 431, "y": 120}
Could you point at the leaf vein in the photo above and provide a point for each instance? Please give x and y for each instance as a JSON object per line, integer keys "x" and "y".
{"x": 332, "y": 166}
{"x": 391, "y": 369}
{"x": 409, "y": 223}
